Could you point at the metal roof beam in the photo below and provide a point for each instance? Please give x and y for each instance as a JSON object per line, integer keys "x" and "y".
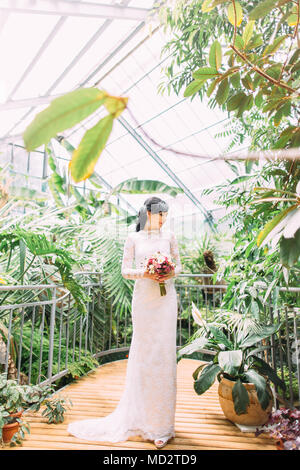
{"x": 79, "y": 9}
{"x": 167, "y": 169}
{"x": 46, "y": 98}
{"x": 28, "y": 102}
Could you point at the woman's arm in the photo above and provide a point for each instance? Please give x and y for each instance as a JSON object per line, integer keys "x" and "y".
{"x": 175, "y": 253}
{"x": 128, "y": 272}
{"x": 175, "y": 256}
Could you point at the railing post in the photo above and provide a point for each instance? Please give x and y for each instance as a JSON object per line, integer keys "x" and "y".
{"x": 51, "y": 334}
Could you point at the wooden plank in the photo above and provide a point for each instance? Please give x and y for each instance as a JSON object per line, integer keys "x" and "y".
{"x": 199, "y": 421}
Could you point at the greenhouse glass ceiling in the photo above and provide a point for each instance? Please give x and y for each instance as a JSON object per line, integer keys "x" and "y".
{"x": 48, "y": 48}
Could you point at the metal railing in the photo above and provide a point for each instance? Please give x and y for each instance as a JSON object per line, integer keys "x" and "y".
{"x": 42, "y": 337}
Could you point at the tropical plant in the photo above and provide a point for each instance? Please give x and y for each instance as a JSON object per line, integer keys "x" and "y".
{"x": 260, "y": 84}
{"x": 252, "y": 267}
{"x": 259, "y": 40}
{"x": 284, "y": 226}
{"x": 15, "y": 398}
{"x": 56, "y": 408}
{"x": 68, "y": 110}
{"x": 191, "y": 253}
{"x": 236, "y": 358}
{"x": 39, "y": 246}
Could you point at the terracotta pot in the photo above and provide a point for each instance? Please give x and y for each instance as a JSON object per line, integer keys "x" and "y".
{"x": 255, "y": 415}
{"x": 10, "y": 429}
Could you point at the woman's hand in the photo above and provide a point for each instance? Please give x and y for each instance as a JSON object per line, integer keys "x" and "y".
{"x": 154, "y": 277}
{"x": 164, "y": 277}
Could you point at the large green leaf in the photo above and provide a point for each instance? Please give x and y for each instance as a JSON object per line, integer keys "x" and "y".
{"x": 235, "y": 101}
{"x": 272, "y": 48}
{"x": 136, "y": 186}
{"x": 260, "y": 385}
{"x": 240, "y": 397}
{"x": 192, "y": 347}
{"x": 212, "y": 86}
{"x": 262, "y": 9}
{"x": 62, "y": 113}
{"x": 247, "y": 33}
{"x": 215, "y": 55}
{"x": 207, "y": 378}
{"x": 85, "y": 157}
{"x": 206, "y": 6}
{"x": 196, "y": 372}
{"x": 265, "y": 369}
{"x": 204, "y": 73}
{"x": 272, "y": 224}
{"x": 220, "y": 336}
{"x": 241, "y": 179}
{"x": 254, "y": 338}
{"x": 235, "y": 13}
{"x": 290, "y": 250}
{"x": 222, "y": 92}
{"x": 193, "y": 87}
{"x": 230, "y": 361}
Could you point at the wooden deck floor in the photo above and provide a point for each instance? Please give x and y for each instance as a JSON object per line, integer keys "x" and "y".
{"x": 200, "y": 423}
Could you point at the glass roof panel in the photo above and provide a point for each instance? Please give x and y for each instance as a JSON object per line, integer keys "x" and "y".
{"x": 20, "y": 40}
{"x": 66, "y": 44}
{"x": 124, "y": 62}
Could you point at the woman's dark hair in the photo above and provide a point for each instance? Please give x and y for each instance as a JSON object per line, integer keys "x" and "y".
{"x": 153, "y": 205}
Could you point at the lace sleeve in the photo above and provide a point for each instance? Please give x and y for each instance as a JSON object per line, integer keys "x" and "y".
{"x": 128, "y": 255}
{"x": 175, "y": 253}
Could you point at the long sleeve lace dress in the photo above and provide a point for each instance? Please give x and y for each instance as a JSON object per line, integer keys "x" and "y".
{"x": 147, "y": 405}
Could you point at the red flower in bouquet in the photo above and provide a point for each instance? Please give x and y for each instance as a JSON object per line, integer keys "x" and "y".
{"x": 160, "y": 264}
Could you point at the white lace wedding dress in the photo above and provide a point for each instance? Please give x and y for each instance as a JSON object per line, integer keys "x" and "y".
{"x": 147, "y": 405}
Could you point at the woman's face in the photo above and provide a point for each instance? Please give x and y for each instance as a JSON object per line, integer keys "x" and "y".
{"x": 156, "y": 220}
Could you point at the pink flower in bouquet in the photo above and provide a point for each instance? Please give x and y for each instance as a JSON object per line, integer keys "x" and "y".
{"x": 160, "y": 264}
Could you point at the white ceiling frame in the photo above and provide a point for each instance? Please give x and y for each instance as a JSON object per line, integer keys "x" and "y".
{"x": 81, "y": 9}
{"x": 11, "y": 139}
{"x": 10, "y": 104}
{"x": 28, "y": 102}
{"x": 36, "y": 58}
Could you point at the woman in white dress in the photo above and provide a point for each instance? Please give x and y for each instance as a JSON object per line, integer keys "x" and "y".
{"x": 147, "y": 405}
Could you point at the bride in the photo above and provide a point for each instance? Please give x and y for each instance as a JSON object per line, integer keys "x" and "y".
{"x": 147, "y": 405}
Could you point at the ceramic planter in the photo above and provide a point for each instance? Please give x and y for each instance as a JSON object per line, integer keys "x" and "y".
{"x": 10, "y": 429}
{"x": 255, "y": 415}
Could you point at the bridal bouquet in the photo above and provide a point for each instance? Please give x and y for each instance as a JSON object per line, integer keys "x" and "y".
{"x": 160, "y": 264}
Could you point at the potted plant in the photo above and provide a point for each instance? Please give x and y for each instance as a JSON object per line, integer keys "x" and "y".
{"x": 15, "y": 399}
{"x": 244, "y": 378}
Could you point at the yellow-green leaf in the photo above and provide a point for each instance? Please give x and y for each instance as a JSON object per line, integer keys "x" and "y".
{"x": 206, "y": 6}
{"x": 247, "y": 82}
{"x": 292, "y": 19}
{"x": 222, "y": 92}
{"x": 204, "y": 73}
{"x": 248, "y": 31}
{"x": 115, "y": 105}
{"x": 235, "y": 101}
{"x": 270, "y": 225}
{"x": 235, "y": 80}
{"x": 262, "y": 9}
{"x": 193, "y": 87}
{"x": 235, "y": 13}
{"x": 62, "y": 113}
{"x": 85, "y": 157}
{"x": 212, "y": 86}
{"x": 239, "y": 42}
{"x": 215, "y": 55}
{"x": 272, "y": 48}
